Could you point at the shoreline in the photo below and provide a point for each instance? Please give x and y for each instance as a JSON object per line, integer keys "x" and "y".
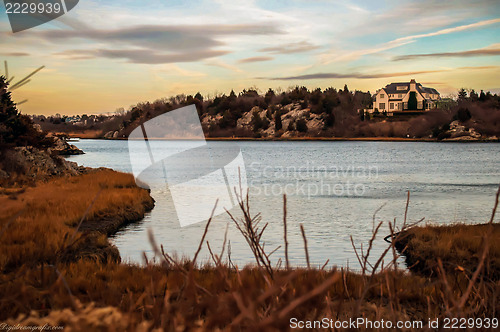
{"x": 313, "y": 139}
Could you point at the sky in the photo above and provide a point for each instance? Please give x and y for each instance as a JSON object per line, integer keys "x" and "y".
{"x": 105, "y": 55}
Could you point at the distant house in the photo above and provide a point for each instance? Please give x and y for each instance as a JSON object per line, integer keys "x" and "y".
{"x": 407, "y": 97}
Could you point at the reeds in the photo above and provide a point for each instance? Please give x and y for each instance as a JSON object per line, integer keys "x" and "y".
{"x": 183, "y": 295}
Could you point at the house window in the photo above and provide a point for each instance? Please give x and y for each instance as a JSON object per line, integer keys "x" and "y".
{"x": 400, "y": 96}
{"x": 382, "y": 95}
{"x": 391, "y": 106}
{"x": 401, "y": 88}
{"x": 381, "y": 106}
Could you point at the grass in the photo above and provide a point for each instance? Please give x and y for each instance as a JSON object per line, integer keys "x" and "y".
{"x": 46, "y": 215}
{"x": 457, "y": 246}
{"x": 102, "y": 294}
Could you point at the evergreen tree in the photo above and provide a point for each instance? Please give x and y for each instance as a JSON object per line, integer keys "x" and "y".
{"x": 462, "y": 94}
{"x": 482, "y": 96}
{"x": 17, "y": 129}
{"x": 268, "y": 98}
{"x": 278, "y": 125}
{"x": 198, "y": 96}
{"x": 8, "y": 109}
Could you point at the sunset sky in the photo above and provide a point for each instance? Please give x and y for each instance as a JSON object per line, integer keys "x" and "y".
{"x": 104, "y": 55}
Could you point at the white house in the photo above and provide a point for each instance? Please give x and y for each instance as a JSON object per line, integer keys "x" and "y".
{"x": 401, "y": 97}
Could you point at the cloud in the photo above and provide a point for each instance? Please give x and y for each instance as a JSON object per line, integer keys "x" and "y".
{"x": 144, "y": 56}
{"x": 163, "y": 36}
{"x": 221, "y": 64}
{"x": 300, "y": 47}
{"x": 450, "y": 30}
{"x": 256, "y": 59}
{"x": 353, "y": 55}
{"x": 423, "y": 15}
{"x": 357, "y": 75}
{"x": 480, "y": 67}
{"x": 487, "y": 51}
{"x": 16, "y": 54}
{"x": 155, "y": 44}
{"x": 350, "y": 75}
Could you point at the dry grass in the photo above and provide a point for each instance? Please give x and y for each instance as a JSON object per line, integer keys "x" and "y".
{"x": 181, "y": 295}
{"x": 45, "y": 215}
{"x": 457, "y": 246}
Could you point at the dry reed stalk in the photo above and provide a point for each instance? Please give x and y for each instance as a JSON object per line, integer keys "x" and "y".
{"x": 305, "y": 245}
{"x": 285, "y": 233}
{"x": 204, "y": 233}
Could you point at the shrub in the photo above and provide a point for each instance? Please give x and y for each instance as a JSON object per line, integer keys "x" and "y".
{"x": 463, "y": 114}
{"x": 301, "y": 125}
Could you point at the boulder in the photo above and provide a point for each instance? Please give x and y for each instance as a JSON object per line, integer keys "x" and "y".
{"x": 35, "y": 164}
{"x": 109, "y": 134}
{"x": 63, "y": 148}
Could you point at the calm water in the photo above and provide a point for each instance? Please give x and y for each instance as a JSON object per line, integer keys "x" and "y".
{"x": 333, "y": 188}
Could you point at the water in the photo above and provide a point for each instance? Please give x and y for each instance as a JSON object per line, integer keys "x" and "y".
{"x": 333, "y": 189}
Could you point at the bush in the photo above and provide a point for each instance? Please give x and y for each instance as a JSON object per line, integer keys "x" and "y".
{"x": 301, "y": 125}
{"x": 463, "y": 114}
{"x": 258, "y": 122}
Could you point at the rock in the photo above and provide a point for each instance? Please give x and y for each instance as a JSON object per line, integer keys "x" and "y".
{"x": 37, "y": 127}
{"x": 461, "y": 139}
{"x": 35, "y": 164}
{"x": 63, "y": 148}
{"x": 115, "y": 135}
{"x": 109, "y": 134}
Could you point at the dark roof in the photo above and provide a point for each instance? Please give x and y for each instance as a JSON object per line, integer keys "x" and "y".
{"x": 393, "y": 88}
{"x": 431, "y": 90}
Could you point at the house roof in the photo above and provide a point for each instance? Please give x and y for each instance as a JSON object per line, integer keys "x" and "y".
{"x": 393, "y": 88}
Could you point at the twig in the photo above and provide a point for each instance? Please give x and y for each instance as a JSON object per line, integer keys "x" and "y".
{"x": 375, "y": 214}
{"x": 406, "y": 209}
{"x": 305, "y": 245}
{"x": 285, "y": 233}
{"x": 204, "y": 233}
{"x": 223, "y": 243}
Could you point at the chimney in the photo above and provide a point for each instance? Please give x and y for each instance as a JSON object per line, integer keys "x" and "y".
{"x": 413, "y": 85}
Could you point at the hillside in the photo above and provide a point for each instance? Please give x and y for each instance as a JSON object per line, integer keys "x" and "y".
{"x": 300, "y": 113}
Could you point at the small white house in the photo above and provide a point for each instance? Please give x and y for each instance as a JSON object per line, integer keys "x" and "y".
{"x": 401, "y": 97}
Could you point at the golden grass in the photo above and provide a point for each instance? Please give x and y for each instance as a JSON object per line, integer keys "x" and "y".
{"x": 37, "y": 287}
{"x": 49, "y": 212}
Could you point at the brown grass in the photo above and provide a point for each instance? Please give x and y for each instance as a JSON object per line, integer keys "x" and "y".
{"x": 457, "y": 246}
{"x": 102, "y": 295}
{"x": 49, "y": 212}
